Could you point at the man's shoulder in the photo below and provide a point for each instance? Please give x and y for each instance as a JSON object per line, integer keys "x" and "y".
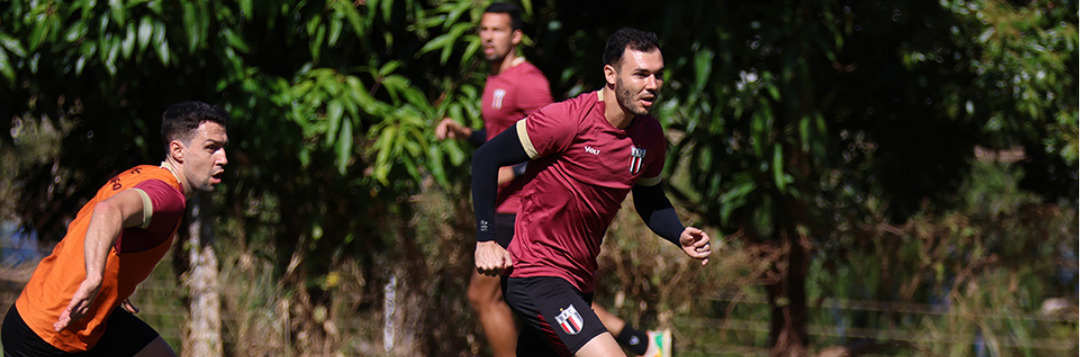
{"x": 148, "y": 174}
{"x": 528, "y": 70}
{"x": 580, "y": 104}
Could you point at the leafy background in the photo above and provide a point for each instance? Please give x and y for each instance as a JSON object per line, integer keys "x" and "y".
{"x": 887, "y": 177}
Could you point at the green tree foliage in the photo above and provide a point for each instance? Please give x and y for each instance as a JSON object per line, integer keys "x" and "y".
{"x": 795, "y": 121}
{"x": 331, "y": 104}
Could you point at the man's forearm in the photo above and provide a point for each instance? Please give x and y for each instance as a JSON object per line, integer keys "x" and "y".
{"x": 655, "y": 209}
{"x": 102, "y": 233}
{"x": 503, "y": 149}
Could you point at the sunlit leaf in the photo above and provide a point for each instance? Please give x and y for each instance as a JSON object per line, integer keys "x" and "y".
{"x": 5, "y": 67}
{"x": 146, "y": 30}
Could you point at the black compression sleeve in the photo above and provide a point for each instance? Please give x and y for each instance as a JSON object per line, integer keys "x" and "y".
{"x": 655, "y": 209}
{"x": 504, "y": 149}
{"x": 478, "y": 137}
{"x": 519, "y": 169}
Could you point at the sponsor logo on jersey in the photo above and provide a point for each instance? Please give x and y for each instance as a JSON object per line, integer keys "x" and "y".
{"x": 497, "y": 101}
{"x": 637, "y": 156}
{"x": 570, "y": 320}
{"x": 592, "y": 150}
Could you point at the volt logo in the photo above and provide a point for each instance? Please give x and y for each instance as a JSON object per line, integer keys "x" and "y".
{"x": 592, "y": 150}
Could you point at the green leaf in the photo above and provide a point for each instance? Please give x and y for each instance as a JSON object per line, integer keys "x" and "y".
{"x": 6, "y": 69}
{"x": 246, "y": 8}
{"x": 778, "y": 168}
{"x": 129, "y": 41}
{"x": 191, "y": 24}
{"x": 114, "y": 52}
{"x": 703, "y": 62}
{"x": 384, "y": 150}
{"x": 344, "y": 146}
{"x": 37, "y": 35}
{"x": 389, "y": 68}
{"x": 333, "y": 116}
{"x": 437, "y": 43}
{"x": 13, "y": 45}
{"x": 163, "y": 52}
{"x": 415, "y": 97}
{"x": 146, "y": 30}
{"x": 235, "y": 40}
{"x": 75, "y": 32}
{"x": 774, "y": 91}
{"x": 117, "y": 12}
{"x": 335, "y": 31}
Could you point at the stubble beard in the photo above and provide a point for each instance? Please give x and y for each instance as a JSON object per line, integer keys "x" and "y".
{"x": 629, "y": 100}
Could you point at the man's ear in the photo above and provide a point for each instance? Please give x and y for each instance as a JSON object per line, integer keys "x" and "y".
{"x": 610, "y": 74}
{"x": 176, "y": 150}
{"x": 516, "y": 37}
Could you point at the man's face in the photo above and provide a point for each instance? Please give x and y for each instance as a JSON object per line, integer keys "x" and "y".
{"x": 497, "y": 36}
{"x": 204, "y": 159}
{"x": 638, "y": 80}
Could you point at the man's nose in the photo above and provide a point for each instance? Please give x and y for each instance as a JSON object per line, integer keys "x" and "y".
{"x": 653, "y": 82}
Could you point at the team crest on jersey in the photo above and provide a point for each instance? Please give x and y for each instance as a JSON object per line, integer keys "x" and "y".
{"x": 570, "y": 320}
{"x": 637, "y": 156}
{"x": 497, "y": 101}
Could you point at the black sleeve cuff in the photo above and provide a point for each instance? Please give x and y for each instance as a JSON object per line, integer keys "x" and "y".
{"x": 478, "y": 137}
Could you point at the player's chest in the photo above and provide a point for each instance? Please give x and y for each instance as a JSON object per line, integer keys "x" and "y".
{"x": 603, "y": 157}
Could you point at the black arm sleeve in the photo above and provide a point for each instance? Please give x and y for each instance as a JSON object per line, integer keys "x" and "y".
{"x": 478, "y": 137}
{"x": 504, "y": 149}
{"x": 519, "y": 169}
{"x": 655, "y": 209}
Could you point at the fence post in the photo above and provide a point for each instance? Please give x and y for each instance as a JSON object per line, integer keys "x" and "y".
{"x": 204, "y": 312}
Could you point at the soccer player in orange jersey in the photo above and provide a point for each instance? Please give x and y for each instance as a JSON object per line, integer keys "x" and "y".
{"x": 72, "y": 304}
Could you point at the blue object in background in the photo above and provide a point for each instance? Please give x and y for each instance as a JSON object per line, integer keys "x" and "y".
{"x": 17, "y": 244}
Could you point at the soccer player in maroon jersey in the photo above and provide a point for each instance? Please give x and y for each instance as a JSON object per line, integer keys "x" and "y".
{"x": 514, "y": 88}
{"x": 585, "y": 154}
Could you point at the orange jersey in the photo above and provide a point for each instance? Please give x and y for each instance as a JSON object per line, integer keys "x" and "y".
{"x": 130, "y": 261}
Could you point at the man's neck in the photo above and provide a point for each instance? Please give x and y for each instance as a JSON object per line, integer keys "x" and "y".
{"x": 613, "y": 111}
{"x": 175, "y": 168}
{"x": 500, "y": 66}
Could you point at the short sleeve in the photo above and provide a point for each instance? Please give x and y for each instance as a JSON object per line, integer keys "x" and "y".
{"x": 165, "y": 201}
{"x": 548, "y": 130}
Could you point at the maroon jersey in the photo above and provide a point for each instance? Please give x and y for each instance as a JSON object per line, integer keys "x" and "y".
{"x": 508, "y": 97}
{"x": 582, "y": 169}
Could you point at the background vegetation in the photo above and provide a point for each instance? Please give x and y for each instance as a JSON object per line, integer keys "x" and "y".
{"x": 832, "y": 145}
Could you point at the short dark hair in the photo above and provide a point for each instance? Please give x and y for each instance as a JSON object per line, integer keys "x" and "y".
{"x": 638, "y": 40}
{"x": 181, "y": 119}
{"x": 509, "y": 9}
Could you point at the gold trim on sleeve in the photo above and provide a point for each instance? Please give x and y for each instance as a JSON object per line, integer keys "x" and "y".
{"x": 148, "y": 208}
{"x": 523, "y": 135}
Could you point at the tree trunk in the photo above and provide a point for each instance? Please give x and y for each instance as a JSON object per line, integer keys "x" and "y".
{"x": 204, "y": 313}
{"x": 787, "y": 298}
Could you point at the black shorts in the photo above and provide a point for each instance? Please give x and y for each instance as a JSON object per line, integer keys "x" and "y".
{"x": 558, "y": 318}
{"x": 126, "y": 335}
